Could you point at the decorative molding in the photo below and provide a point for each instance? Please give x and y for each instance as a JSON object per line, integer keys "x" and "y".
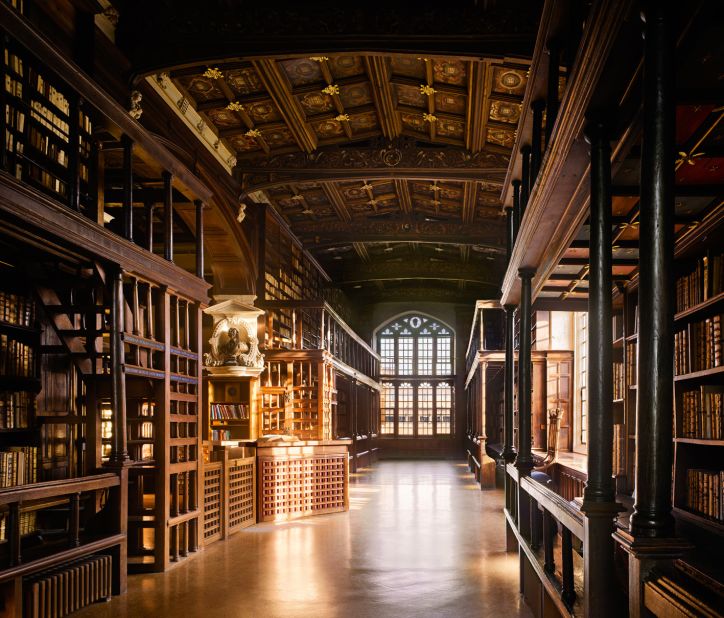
{"x": 423, "y": 269}
{"x": 234, "y": 343}
{"x": 319, "y": 234}
{"x": 385, "y": 155}
{"x": 167, "y": 90}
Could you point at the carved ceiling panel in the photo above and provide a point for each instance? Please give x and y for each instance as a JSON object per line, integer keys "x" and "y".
{"x": 284, "y": 105}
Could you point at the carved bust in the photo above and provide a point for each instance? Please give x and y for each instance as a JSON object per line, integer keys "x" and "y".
{"x": 233, "y": 348}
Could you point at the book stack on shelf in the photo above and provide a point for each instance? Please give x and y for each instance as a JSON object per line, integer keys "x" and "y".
{"x": 16, "y": 410}
{"x": 698, "y": 347}
{"x": 619, "y": 386}
{"x": 701, "y": 413}
{"x": 229, "y": 411}
{"x": 705, "y": 493}
{"x": 18, "y": 466}
{"x": 704, "y": 282}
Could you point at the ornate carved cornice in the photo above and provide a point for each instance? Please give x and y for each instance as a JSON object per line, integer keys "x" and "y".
{"x": 426, "y": 293}
{"x": 317, "y": 234}
{"x": 402, "y": 157}
{"x": 427, "y": 270}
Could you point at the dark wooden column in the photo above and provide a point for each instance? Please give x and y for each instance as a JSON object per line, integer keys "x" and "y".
{"x": 525, "y": 180}
{"x": 510, "y": 231}
{"x": 524, "y": 460}
{"x": 509, "y": 378}
{"x": 127, "y": 143}
{"x": 119, "y": 450}
{"x": 199, "y": 238}
{"x": 599, "y": 494}
{"x": 650, "y": 541}
{"x": 150, "y": 207}
{"x": 168, "y": 216}
{"x": 536, "y": 153}
{"x": 552, "y": 105}
{"x": 517, "y": 214}
{"x": 654, "y": 453}
{"x": 599, "y": 486}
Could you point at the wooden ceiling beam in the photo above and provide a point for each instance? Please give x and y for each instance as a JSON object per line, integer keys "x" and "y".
{"x": 387, "y": 115}
{"x": 288, "y": 106}
{"x": 403, "y": 196}
{"x": 470, "y": 199}
{"x": 443, "y": 88}
{"x": 479, "y": 85}
{"x": 320, "y": 234}
{"x": 247, "y": 99}
{"x": 439, "y": 115}
{"x": 419, "y": 268}
{"x": 335, "y": 198}
{"x": 361, "y": 251}
{"x": 317, "y": 87}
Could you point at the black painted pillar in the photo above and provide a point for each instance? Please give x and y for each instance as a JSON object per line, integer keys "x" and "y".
{"x": 600, "y": 486}
{"x": 199, "y": 238}
{"x": 168, "y": 216}
{"x": 127, "y": 144}
{"x": 517, "y": 214}
{"x": 510, "y": 232}
{"x": 525, "y": 180}
{"x": 524, "y": 460}
{"x": 599, "y": 495}
{"x": 119, "y": 450}
{"x": 536, "y": 154}
{"x": 509, "y": 379}
{"x": 554, "y": 60}
{"x": 654, "y": 456}
{"x": 150, "y": 207}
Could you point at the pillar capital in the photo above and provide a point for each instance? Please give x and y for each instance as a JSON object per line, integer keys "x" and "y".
{"x": 526, "y": 273}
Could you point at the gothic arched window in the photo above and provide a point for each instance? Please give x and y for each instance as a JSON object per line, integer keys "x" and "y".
{"x": 417, "y": 377}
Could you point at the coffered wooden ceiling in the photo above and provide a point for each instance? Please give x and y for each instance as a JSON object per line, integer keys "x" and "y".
{"x": 367, "y": 154}
{"x": 272, "y": 106}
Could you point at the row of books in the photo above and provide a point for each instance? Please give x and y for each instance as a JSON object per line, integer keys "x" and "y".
{"x": 16, "y": 358}
{"x": 48, "y": 147}
{"x": 16, "y": 309}
{"x": 16, "y": 409}
{"x": 229, "y": 411}
{"x": 698, "y": 346}
{"x": 631, "y": 364}
{"x": 28, "y": 523}
{"x": 218, "y": 435}
{"x": 705, "y": 492}
{"x": 48, "y": 91}
{"x": 705, "y": 281}
{"x": 701, "y": 413}
{"x": 18, "y": 466}
{"x": 619, "y": 385}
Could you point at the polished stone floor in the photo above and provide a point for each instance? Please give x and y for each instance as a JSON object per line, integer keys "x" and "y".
{"x": 420, "y": 540}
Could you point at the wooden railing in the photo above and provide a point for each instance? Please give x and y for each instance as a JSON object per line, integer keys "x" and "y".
{"x": 548, "y": 527}
{"x": 314, "y": 325}
{"x": 90, "y": 508}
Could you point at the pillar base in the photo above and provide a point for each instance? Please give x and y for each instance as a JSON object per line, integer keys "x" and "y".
{"x": 644, "y": 555}
{"x": 599, "y": 598}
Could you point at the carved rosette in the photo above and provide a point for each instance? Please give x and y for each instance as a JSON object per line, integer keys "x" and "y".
{"x": 234, "y": 342}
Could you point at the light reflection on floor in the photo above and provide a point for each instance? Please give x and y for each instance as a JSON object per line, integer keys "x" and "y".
{"x": 416, "y": 542}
